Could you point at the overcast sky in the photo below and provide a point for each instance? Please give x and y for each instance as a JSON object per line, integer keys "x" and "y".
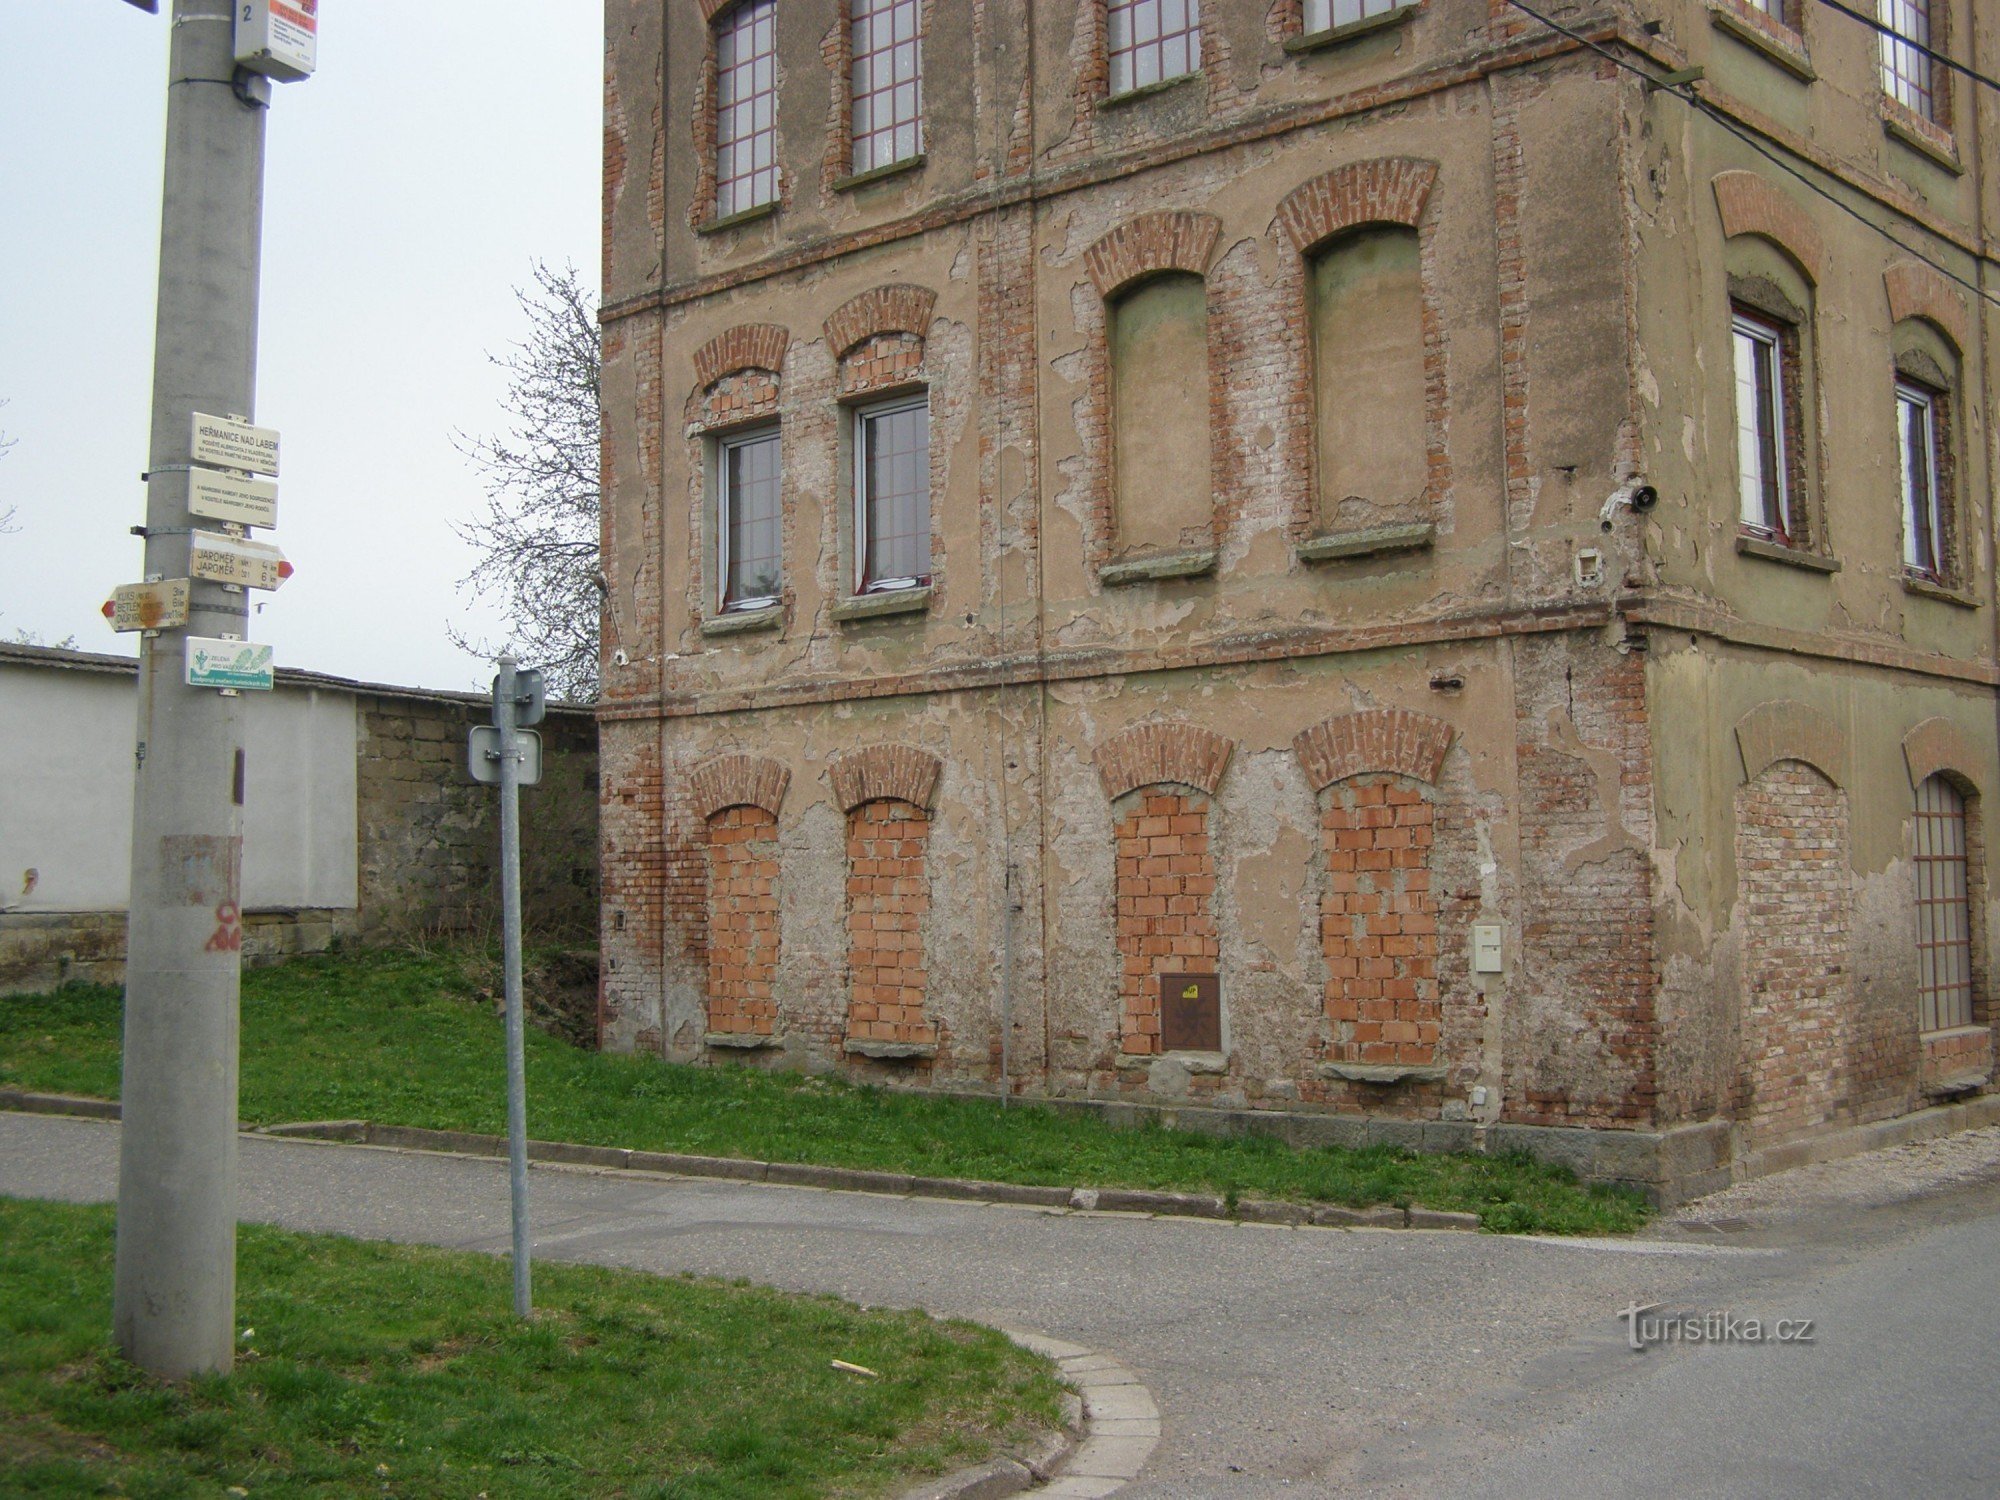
{"x": 410, "y": 184}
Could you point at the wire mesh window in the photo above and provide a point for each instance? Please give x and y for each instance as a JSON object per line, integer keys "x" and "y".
{"x": 1324, "y": 15}
{"x": 749, "y": 515}
{"x": 1906, "y": 66}
{"x": 1152, "y": 40}
{"x": 746, "y": 107}
{"x": 892, "y": 496}
{"x": 1761, "y": 461}
{"x": 1944, "y": 908}
{"x": 887, "y": 82}
{"x": 1917, "y": 435}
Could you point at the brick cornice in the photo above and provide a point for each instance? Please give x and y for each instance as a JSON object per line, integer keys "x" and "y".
{"x": 747, "y": 346}
{"x": 900, "y": 773}
{"x": 1150, "y": 244}
{"x": 1940, "y": 745}
{"x": 1376, "y": 740}
{"x": 1790, "y": 730}
{"x": 1916, "y": 291}
{"x": 1386, "y": 190}
{"x": 1750, "y": 205}
{"x": 1163, "y": 751}
{"x": 882, "y": 309}
{"x": 737, "y": 781}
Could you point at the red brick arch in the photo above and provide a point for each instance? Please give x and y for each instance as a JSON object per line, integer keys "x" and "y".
{"x": 1162, "y": 752}
{"x": 737, "y": 781}
{"x": 1150, "y": 244}
{"x": 1750, "y": 205}
{"x": 748, "y": 346}
{"x": 900, "y": 773}
{"x": 882, "y": 309}
{"x": 1392, "y": 740}
{"x": 1916, "y": 291}
{"x": 1387, "y": 190}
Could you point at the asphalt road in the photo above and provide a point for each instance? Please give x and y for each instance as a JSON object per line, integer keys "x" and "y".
{"x": 1305, "y": 1361}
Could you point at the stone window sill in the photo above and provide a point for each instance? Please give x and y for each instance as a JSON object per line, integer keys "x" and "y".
{"x": 1780, "y": 44}
{"x": 740, "y": 217}
{"x": 889, "y": 1051}
{"x": 1160, "y": 567}
{"x": 1334, "y": 36}
{"x": 1194, "y": 1062}
{"x": 879, "y": 174}
{"x": 1931, "y": 588}
{"x": 739, "y": 1041}
{"x": 1779, "y": 552}
{"x": 742, "y": 621}
{"x": 891, "y": 602}
{"x": 1925, "y": 137}
{"x": 1375, "y": 541}
{"x": 1383, "y": 1072}
{"x": 1146, "y": 91}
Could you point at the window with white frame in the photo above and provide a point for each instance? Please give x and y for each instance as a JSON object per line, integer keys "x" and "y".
{"x": 1906, "y": 64}
{"x": 1150, "y": 41}
{"x": 1325, "y": 15}
{"x": 1762, "y": 404}
{"x": 1944, "y": 908}
{"x": 747, "y": 514}
{"x": 1923, "y": 511}
{"x": 746, "y": 107}
{"x": 886, "y": 82}
{"x": 892, "y": 495}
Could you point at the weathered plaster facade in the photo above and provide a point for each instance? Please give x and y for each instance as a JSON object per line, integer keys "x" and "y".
{"x": 1174, "y": 701}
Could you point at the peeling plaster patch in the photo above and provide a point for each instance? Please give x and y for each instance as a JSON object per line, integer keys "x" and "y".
{"x": 1270, "y": 885}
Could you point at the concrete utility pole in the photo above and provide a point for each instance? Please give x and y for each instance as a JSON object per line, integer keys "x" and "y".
{"x": 174, "y": 1302}
{"x": 506, "y": 717}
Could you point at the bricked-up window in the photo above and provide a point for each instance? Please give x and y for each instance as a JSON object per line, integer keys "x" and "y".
{"x": 1163, "y": 497}
{"x": 888, "y": 896}
{"x": 886, "y": 82}
{"x": 1165, "y": 883}
{"x": 1944, "y": 908}
{"x": 1763, "y": 405}
{"x": 1906, "y": 68}
{"x": 892, "y": 496}
{"x": 1368, "y": 377}
{"x": 742, "y": 921}
{"x": 1324, "y": 15}
{"x": 1151, "y": 41}
{"x": 746, "y": 106}
{"x": 1378, "y": 924}
{"x": 1917, "y": 441}
{"x": 747, "y": 513}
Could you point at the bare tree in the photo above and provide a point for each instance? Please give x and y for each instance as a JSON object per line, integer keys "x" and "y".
{"x": 537, "y": 536}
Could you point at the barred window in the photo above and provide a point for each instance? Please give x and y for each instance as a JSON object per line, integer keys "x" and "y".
{"x": 1906, "y": 67}
{"x": 1762, "y": 408}
{"x": 1923, "y": 515}
{"x": 1944, "y": 908}
{"x": 1152, "y": 40}
{"x": 892, "y": 496}
{"x": 746, "y": 107}
{"x": 887, "y": 82}
{"x": 1324, "y": 15}
{"x": 747, "y": 536}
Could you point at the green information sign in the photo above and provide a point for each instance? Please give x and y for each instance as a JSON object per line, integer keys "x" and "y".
{"x": 229, "y": 664}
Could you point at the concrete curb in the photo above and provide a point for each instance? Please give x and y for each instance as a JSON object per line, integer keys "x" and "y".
{"x": 793, "y": 1174}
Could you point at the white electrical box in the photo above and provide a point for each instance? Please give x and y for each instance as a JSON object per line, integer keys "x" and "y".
{"x": 278, "y": 38}
{"x": 1486, "y": 948}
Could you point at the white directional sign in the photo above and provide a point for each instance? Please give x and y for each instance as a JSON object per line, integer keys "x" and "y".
{"x": 482, "y": 754}
{"x": 215, "y": 663}
{"x": 224, "y": 497}
{"x": 235, "y": 559}
{"x": 229, "y": 443}
{"x": 148, "y": 606}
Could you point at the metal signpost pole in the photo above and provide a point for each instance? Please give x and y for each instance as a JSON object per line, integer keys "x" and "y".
{"x": 505, "y": 708}
{"x": 174, "y": 1297}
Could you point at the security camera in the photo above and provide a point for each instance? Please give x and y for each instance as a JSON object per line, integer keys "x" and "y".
{"x": 1633, "y": 494}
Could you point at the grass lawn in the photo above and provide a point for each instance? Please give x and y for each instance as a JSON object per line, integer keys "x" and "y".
{"x": 392, "y": 1370}
{"x": 403, "y": 1039}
